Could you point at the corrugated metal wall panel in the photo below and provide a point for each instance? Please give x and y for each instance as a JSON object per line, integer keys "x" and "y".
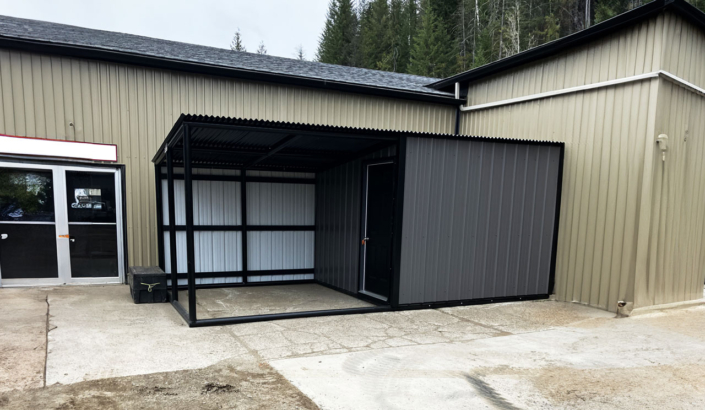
{"x": 214, "y": 203}
{"x": 675, "y": 268}
{"x": 135, "y": 107}
{"x": 280, "y": 204}
{"x": 218, "y": 203}
{"x": 280, "y": 250}
{"x": 478, "y": 219}
{"x": 214, "y": 251}
{"x": 622, "y": 54}
{"x": 606, "y": 133}
{"x": 684, "y": 56}
{"x": 338, "y": 211}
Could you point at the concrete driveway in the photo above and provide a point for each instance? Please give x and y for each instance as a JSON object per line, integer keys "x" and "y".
{"x": 523, "y": 355}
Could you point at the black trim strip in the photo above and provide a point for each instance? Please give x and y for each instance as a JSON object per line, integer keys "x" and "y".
{"x": 398, "y": 222}
{"x": 556, "y": 223}
{"x": 251, "y": 284}
{"x": 238, "y": 178}
{"x": 245, "y": 228}
{"x": 467, "y": 302}
{"x": 160, "y": 215}
{"x": 227, "y": 274}
{"x": 289, "y": 315}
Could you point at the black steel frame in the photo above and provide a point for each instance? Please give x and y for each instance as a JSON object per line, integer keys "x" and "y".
{"x": 190, "y": 314}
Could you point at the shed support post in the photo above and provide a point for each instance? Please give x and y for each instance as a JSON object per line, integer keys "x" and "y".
{"x": 160, "y": 214}
{"x": 243, "y": 211}
{"x": 190, "y": 252}
{"x": 398, "y": 221}
{"x": 172, "y": 224}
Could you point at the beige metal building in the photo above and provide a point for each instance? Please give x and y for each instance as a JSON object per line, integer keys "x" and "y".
{"x": 631, "y": 215}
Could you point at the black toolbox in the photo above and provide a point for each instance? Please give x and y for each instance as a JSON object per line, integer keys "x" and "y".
{"x": 147, "y": 284}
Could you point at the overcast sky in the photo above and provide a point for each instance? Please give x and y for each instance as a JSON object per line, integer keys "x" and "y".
{"x": 281, "y": 24}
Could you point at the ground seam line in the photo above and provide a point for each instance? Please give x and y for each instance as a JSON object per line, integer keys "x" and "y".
{"x": 46, "y": 342}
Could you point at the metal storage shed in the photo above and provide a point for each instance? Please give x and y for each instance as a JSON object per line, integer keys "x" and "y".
{"x": 398, "y": 219}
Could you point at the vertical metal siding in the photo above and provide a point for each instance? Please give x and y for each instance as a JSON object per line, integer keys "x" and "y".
{"x": 478, "y": 219}
{"x": 628, "y": 52}
{"x": 606, "y": 133}
{"x": 609, "y": 136}
{"x": 338, "y": 196}
{"x": 675, "y": 268}
{"x": 134, "y": 107}
{"x": 280, "y": 204}
{"x": 218, "y": 203}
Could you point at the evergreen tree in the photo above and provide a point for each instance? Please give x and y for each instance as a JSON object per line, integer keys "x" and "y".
{"x": 375, "y": 39}
{"x": 236, "y": 43}
{"x": 299, "y": 53}
{"x": 338, "y": 42}
{"x": 261, "y": 49}
{"x": 429, "y": 55}
{"x": 442, "y": 37}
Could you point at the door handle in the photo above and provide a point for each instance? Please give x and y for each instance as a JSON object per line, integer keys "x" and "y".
{"x": 3, "y": 236}
{"x": 364, "y": 240}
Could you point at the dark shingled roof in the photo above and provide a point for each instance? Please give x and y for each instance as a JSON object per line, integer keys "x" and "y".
{"x": 53, "y": 33}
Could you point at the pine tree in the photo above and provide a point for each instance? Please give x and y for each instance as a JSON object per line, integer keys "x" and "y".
{"x": 300, "y": 54}
{"x": 261, "y": 49}
{"x": 375, "y": 39}
{"x": 236, "y": 43}
{"x": 429, "y": 55}
{"x": 338, "y": 41}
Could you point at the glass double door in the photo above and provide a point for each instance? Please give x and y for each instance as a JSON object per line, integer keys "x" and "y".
{"x": 59, "y": 224}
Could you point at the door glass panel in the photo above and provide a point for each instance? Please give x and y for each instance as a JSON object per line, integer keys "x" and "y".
{"x": 92, "y": 224}
{"x": 26, "y": 195}
{"x": 27, "y": 229}
{"x": 90, "y": 196}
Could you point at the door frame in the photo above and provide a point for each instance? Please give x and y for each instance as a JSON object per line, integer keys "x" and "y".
{"x": 61, "y": 223}
{"x": 363, "y": 226}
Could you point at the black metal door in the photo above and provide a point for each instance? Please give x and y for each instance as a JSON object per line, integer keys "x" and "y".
{"x": 378, "y": 230}
{"x": 27, "y": 224}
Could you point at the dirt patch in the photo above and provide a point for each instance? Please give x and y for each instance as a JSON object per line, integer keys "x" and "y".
{"x": 643, "y": 387}
{"x": 227, "y": 385}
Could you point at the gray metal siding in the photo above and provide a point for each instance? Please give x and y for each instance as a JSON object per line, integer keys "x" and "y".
{"x": 478, "y": 219}
{"x": 338, "y": 193}
{"x": 218, "y": 203}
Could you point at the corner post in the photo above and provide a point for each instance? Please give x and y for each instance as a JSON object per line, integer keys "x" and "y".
{"x": 172, "y": 225}
{"x": 190, "y": 252}
{"x": 398, "y": 221}
{"x": 243, "y": 211}
{"x": 159, "y": 195}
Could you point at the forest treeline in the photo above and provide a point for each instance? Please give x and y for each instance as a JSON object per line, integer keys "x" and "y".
{"x": 439, "y": 38}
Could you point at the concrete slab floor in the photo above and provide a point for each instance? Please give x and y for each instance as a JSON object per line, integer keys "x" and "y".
{"x": 540, "y": 354}
{"x": 264, "y": 300}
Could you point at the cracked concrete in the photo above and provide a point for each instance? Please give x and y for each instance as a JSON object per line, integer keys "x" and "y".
{"x": 541, "y": 354}
{"x": 263, "y": 300}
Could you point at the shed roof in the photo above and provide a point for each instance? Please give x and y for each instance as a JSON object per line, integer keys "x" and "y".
{"x": 223, "y": 142}
{"x": 107, "y": 45}
{"x": 593, "y": 33}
